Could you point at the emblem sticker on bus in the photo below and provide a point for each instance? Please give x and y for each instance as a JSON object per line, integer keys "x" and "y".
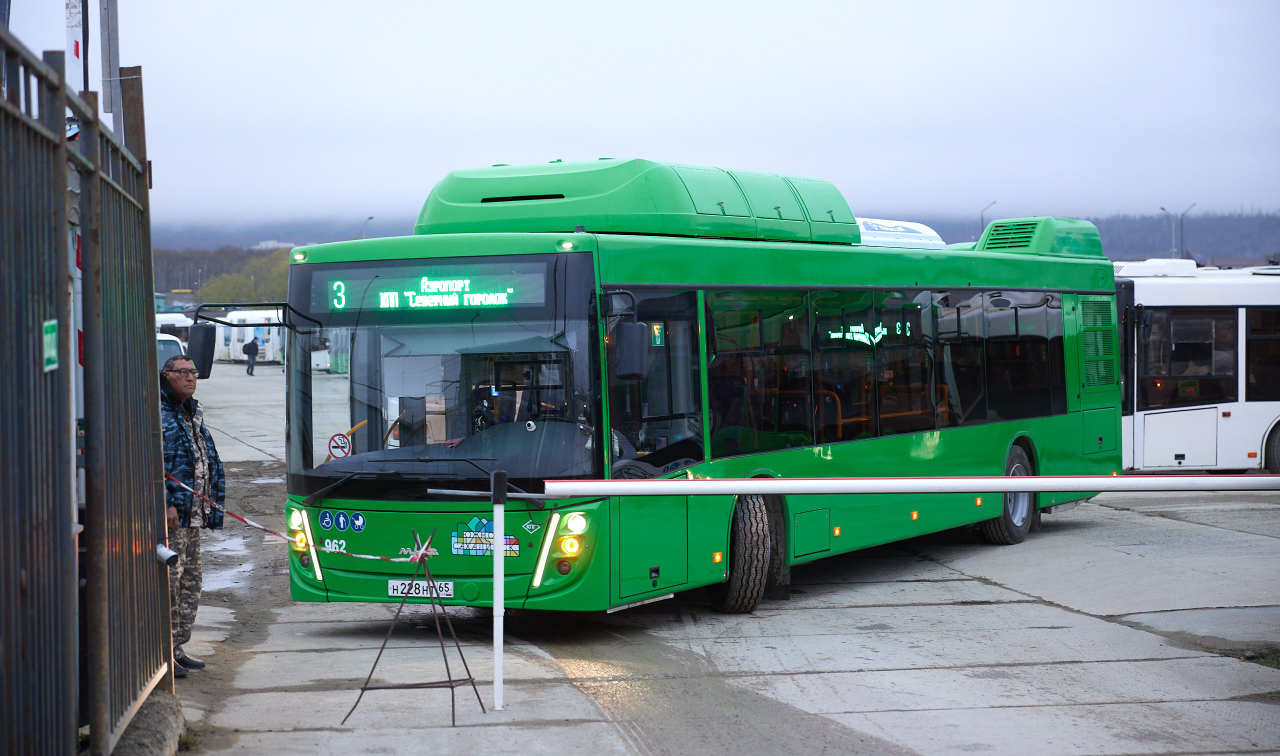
{"x": 475, "y": 538}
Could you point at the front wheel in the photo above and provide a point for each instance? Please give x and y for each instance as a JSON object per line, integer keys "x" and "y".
{"x": 749, "y": 546}
{"x": 1014, "y": 521}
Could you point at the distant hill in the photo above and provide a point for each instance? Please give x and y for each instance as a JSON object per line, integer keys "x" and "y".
{"x": 1211, "y": 238}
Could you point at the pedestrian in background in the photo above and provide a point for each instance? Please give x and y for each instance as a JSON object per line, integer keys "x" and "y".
{"x": 251, "y": 351}
{"x": 189, "y": 456}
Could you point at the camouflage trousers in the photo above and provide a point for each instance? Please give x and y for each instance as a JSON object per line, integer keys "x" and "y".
{"x": 185, "y": 578}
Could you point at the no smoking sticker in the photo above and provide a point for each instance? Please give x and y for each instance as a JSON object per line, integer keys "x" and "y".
{"x": 339, "y": 445}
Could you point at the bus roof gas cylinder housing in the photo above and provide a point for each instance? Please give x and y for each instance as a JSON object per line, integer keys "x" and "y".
{"x": 638, "y": 197}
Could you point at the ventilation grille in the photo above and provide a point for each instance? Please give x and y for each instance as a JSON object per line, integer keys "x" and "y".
{"x": 1012, "y": 235}
{"x": 1099, "y": 373}
{"x": 1097, "y": 344}
{"x": 1097, "y": 341}
{"x": 1096, "y": 313}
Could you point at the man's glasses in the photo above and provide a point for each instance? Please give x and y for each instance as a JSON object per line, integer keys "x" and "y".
{"x": 182, "y": 371}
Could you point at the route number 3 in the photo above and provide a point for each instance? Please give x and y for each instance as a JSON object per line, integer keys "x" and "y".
{"x": 339, "y": 295}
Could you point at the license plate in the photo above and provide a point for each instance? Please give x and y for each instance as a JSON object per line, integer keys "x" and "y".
{"x": 419, "y": 588}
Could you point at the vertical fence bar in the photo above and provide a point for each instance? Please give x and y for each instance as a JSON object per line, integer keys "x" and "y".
{"x": 97, "y": 615}
{"x": 498, "y": 484}
{"x": 53, "y": 112}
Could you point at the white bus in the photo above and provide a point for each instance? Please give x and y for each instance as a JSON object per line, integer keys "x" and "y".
{"x": 230, "y": 342}
{"x": 1201, "y": 366}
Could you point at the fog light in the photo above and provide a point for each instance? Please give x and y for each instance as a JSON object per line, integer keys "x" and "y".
{"x": 564, "y": 566}
{"x": 570, "y": 546}
{"x": 305, "y": 559}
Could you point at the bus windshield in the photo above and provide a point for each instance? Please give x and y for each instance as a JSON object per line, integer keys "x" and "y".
{"x": 446, "y": 401}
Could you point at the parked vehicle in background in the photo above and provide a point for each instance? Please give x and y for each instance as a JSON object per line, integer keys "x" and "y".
{"x": 167, "y": 346}
{"x": 230, "y": 341}
{"x": 175, "y": 324}
{"x": 1201, "y": 351}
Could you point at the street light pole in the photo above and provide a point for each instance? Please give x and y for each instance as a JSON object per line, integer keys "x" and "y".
{"x": 1182, "y": 234}
{"x": 1173, "y": 234}
{"x": 982, "y": 217}
{"x": 365, "y": 226}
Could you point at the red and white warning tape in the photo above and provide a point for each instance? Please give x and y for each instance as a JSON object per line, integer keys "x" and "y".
{"x": 425, "y": 551}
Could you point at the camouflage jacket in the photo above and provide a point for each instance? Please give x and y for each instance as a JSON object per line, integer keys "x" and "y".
{"x": 179, "y": 460}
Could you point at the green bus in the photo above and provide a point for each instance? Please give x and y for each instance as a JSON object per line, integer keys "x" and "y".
{"x": 633, "y": 319}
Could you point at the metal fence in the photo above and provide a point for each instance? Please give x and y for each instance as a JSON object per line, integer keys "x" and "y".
{"x": 55, "y": 275}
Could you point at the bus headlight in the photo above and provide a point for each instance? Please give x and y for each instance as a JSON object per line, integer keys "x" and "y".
{"x": 575, "y": 523}
{"x": 300, "y": 540}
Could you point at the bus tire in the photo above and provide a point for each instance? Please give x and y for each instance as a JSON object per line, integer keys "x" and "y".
{"x": 1019, "y": 509}
{"x": 1273, "y": 451}
{"x": 749, "y": 548}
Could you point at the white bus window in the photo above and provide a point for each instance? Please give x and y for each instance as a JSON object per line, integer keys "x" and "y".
{"x": 1188, "y": 357}
{"x": 1262, "y": 356}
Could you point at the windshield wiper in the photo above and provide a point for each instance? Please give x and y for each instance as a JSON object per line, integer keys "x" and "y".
{"x": 318, "y": 495}
{"x": 474, "y": 462}
{"x": 363, "y": 475}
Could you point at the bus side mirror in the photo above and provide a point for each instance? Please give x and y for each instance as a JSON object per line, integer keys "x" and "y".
{"x": 631, "y": 353}
{"x": 200, "y": 347}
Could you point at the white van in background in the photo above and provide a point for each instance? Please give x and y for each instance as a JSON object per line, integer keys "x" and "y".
{"x": 167, "y": 346}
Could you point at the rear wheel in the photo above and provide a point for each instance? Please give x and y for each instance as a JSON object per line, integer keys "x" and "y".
{"x": 1019, "y": 511}
{"x": 749, "y": 546}
{"x": 1273, "y": 452}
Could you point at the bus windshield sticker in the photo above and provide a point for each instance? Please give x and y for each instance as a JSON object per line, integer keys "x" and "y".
{"x": 475, "y": 538}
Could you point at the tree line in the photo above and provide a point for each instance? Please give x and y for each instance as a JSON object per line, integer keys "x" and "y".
{"x": 234, "y": 274}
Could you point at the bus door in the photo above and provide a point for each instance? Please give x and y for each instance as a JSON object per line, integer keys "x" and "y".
{"x": 1187, "y": 365}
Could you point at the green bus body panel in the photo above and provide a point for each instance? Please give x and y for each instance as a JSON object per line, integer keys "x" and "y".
{"x": 666, "y": 261}
{"x": 638, "y": 197}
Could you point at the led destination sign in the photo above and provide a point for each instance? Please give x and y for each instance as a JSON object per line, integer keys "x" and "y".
{"x": 424, "y": 287}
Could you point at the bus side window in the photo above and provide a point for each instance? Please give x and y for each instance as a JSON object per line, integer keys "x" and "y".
{"x": 961, "y": 369}
{"x": 759, "y": 382}
{"x": 1187, "y": 358}
{"x": 904, "y": 362}
{"x": 1262, "y": 355}
{"x": 844, "y": 390}
{"x": 1018, "y": 364}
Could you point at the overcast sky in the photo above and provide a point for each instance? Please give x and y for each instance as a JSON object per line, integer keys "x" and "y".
{"x": 273, "y": 109}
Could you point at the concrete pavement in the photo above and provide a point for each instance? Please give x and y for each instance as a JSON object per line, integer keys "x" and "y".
{"x": 1119, "y": 628}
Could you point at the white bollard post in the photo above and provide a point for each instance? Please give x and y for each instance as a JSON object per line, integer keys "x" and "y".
{"x": 499, "y": 483}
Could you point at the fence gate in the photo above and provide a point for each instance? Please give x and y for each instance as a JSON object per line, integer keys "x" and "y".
{"x": 84, "y": 623}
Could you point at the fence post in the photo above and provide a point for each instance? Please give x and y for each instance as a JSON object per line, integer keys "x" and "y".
{"x": 498, "y": 483}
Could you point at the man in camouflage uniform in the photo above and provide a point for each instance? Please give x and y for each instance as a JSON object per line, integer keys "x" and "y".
{"x": 189, "y": 456}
